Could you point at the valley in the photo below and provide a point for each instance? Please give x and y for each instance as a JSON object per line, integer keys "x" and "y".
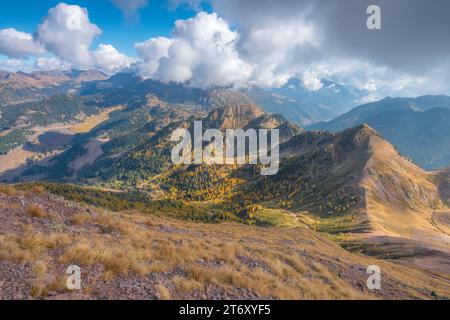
{"x": 228, "y": 153}
{"x": 41, "y": 144}
{"x": 90, "y": 180}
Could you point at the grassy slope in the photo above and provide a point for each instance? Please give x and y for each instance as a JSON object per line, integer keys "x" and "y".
{"x": 400, "y": 197}
{"x": 175, "y": 259}
{"x": 94, "y": 120}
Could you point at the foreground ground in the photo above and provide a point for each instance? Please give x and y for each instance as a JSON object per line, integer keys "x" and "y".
{"x": 130, "y": 255}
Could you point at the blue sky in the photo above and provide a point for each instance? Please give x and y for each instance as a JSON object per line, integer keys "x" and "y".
{"x": 156, "y": 19}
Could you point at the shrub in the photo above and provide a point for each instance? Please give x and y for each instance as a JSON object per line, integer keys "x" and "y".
{"x": 36, "y": 211}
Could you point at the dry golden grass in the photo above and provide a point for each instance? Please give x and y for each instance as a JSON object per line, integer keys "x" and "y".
{"x": 119, "y": 256}
{"x": 37, "y": 190}
{"x": 274, "y": 263}
{"x": 37, "y": 289}
{"x": 92, "y": 121}
{"x": 40, "y": 268}
{"x": 163, "y": 293}
{"x": 80, "y": 218}
{"x": 113, "y": 259}
{"x": 59, "y": 285}
{"x": 141, "y": 268}
{"x": 31, "y": 246}
{"x": 400, "y": 196}
{"x": 8, "y": 190}
{"x": 37, "y": 212}
{"x": 187, "y": 285}
{"x": 41, "y": 287}
{"x": 158, "y": 267}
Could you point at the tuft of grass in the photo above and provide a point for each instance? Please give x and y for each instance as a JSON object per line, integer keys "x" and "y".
{"x": 30, "y": 247}
{"x": 162, "y": 292}
{"x": 37, "y": 189}
{"x": 158, "y": 267}
{"x": 59, "y": 285}
{"x": 200, "y": 274}
{"x": 8, "y": 190}
{"x": 228, "y": 252}
{"x": 38, "y": 288}
{"x": 187, "y": 285}
{"x": 120, "y": 257}
{"x": 141, "y": 269}
{"x": 40, "y": 268}
{"x": 36, "y": 211}
{"x": 80, "y": 218}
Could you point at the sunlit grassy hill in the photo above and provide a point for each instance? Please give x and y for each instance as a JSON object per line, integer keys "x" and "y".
{"x": 131, "y": 254}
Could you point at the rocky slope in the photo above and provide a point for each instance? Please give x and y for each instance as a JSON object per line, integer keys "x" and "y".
{"x": 130, "y": 255}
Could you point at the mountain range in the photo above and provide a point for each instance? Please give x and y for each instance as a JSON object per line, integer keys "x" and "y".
{"x": 293, "y": 100}
{"x": 354, "y": 180}
{"x": 354, "y": 174}
{"x": 304, "y": 106}
{"x": 20, "y": 87}
{"x": 418, "y": 127}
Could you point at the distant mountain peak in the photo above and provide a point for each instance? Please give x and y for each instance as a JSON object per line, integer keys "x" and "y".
{"x": 418, "y": 127}
{"x": 234, "y": 116}
{"x": 362, "y": 130}
{"x": 86, "y": 75}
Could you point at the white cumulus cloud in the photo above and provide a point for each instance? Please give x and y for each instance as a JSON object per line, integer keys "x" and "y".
{"x": 12, "y": 64}
{"x": 17, "y": 44}
{"x": 51, "y": 63}
{"x": 68, "y": 33}
{"x": 202, "y": 52}
{"x": 151, "y": 51}
{"x": 109, "y": 59}
{"x": 312, "y": 82}
{"x": 65, "y": 36}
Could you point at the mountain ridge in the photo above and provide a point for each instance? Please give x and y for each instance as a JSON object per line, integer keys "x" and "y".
{"x": 418, "y": 127}
{"x": 20, "y": 87}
